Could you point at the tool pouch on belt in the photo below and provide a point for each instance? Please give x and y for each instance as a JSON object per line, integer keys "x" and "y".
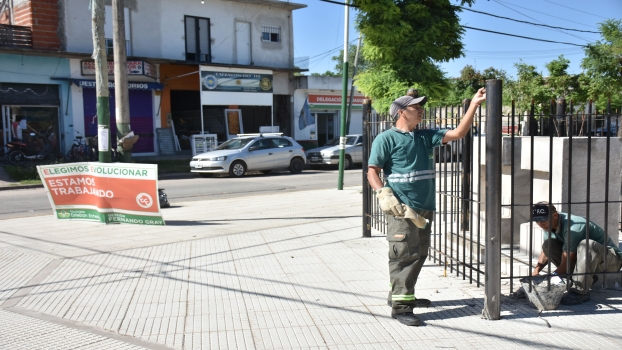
{"x": 412, "y": 215}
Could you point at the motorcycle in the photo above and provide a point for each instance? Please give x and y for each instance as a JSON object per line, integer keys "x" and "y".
{"x": 40, "y": 147}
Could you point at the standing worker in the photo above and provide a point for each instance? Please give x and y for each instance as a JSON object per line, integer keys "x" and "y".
{"x": 408, "y": 198}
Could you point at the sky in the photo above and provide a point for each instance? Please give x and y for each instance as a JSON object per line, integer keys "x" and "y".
{"x": 319, "y": 32}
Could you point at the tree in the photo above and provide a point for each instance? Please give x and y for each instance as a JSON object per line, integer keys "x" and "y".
{"x": 603, "y": 65}
{"x": 362, "y": 64}
{"x": 562, "y": 84}
{"x": 528, "y": 86}
{"x": 410, "y": 36}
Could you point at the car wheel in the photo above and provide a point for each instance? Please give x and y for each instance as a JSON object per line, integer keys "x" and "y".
{"x": 266, "y": 171}
{"x": 347, "y": 163}
{"x": 295, "y": 167}
{"x": 237, "y": 169}
{"x": 206, "y": 174}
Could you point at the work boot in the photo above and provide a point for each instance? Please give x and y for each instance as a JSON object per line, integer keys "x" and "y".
{"x": 574, "y": 298}
{"x": 418, "y": 303}
{"x": 408, "y": 319}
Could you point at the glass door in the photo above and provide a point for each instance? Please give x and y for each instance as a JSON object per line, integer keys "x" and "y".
{"x": 326, "y": 123}
{"x": 37, "y": 119}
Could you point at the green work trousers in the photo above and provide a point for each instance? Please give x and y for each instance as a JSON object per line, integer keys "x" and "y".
{"x": 408, "y": 249}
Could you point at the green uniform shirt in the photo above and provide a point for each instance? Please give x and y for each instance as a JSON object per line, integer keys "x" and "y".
{"x": 576, "y": 227}
{"x": 405, "y": 159}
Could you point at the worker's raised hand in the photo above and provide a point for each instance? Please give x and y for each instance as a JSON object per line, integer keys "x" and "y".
{"x": 388, "y": 203}
{"x": 479, "y": 97}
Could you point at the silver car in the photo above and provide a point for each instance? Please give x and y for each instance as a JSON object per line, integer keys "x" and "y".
{"x": 329, "y": 153}
{"x": 251, "y": 152}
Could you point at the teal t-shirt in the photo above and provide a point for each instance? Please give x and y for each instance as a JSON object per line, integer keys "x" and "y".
{"x": 576, "y": 228}
{"x": 405, "y": 160}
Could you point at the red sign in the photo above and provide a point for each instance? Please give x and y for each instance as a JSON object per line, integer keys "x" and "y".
{"x": 333, "y": 99}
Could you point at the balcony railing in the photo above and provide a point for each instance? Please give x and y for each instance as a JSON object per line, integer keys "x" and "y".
{"x": 15, "y": 36}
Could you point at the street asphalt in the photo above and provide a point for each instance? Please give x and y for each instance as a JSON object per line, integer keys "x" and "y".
{"x": 267, "y": 271}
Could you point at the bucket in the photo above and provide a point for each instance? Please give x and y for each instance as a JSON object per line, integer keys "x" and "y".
{"x": 540, "y": 296}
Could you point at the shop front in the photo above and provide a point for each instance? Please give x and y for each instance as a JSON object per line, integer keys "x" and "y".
{"x": 30, "y": 108}
{"x": 143, "y": 99}
{"x": 318, "y": 117}
{"x": 235, "y": 101}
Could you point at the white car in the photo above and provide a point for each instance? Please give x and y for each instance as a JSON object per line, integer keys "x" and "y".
{"x": 329, "y": 153}
{"x": 251, "y": 152}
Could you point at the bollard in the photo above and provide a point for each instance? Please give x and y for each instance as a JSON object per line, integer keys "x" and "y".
{"x": 492, "y": 298}
{"x": 367, "y": 200}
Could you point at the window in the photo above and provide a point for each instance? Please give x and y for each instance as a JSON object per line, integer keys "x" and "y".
{"x": 271, "y": 33}
{"x": 198, "y": 42}
{"x": 283, "y": 143}
{"x": 110, "y": 47}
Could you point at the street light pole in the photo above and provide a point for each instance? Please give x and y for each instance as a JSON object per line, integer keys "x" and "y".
{"x": 344, "y": 96}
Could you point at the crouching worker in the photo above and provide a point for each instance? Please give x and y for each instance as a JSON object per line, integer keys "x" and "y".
{"x": 565, "y": 240}
{"x": 408, "y": 199}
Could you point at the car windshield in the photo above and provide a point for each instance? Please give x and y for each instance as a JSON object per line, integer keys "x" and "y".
{"x": 335, "y": 142}
{"x": 235, "y": 144}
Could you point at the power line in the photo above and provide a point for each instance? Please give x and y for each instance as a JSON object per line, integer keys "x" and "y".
{"x": 500, "y": 3}
{"x": 329, "y": 51}
{"x": 339, "y": 3}
{"x": 568, "y": 7}
{"x": 524, "y": 37}
{"x": 547, "y": 14}
{"x": 535, "y": 24}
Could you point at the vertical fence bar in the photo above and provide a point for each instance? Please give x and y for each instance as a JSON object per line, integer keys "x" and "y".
{"x": 366, "y": 189}
{"x": 531, "y": 177}
{"x": 479, "y": 193}
{"x": 608, "y": 153}
{"x": 512, "y": 140}
{"x": 552, "y": 132}
{"x": 492, "y": 300}
{"x": 587, "y": 190}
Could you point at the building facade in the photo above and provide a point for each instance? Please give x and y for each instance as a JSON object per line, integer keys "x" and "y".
{"x": 172, "y": 47}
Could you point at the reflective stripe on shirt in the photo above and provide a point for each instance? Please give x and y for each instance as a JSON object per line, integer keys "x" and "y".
{"x": 412, "y": 176}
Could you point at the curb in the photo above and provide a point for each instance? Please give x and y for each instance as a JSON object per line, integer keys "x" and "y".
{"x": 19, "y": 187}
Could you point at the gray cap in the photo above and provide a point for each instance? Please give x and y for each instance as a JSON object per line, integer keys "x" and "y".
{"x": 404, "y": 101}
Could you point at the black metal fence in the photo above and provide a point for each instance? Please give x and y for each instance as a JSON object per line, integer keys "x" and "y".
{"x": 569, "y": 157}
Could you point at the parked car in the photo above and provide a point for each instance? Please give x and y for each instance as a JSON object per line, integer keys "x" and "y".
{"x": 329, "y": 153}
{"x": 604, "y": 131}
{"x": 251, "y": 152}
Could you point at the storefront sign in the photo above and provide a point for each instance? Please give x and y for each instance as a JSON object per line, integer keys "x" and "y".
{"x": 236, "y": 82}
{"x": 133, "y": 68}
{"x": 107, "y": 193}
{"x": 320, "y": 101}
{"x": 131, "y": 85}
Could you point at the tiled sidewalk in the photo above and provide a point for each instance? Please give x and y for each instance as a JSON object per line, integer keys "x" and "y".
{"x": 277, "y": 271}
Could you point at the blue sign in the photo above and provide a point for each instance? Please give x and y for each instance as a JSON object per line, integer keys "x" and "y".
{"x": 133, "y": 85}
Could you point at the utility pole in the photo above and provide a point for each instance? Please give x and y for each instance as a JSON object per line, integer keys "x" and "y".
{"x": 121, "y": 93}
{"x": 344, "y": 96}
{"x": 101, "y": 80}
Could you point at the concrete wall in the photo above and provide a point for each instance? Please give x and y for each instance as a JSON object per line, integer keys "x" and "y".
{"x": 157, "y": 29}
{"x": 571, "y": 181}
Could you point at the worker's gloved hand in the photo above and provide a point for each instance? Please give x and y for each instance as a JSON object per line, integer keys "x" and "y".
{"x": 417, "y": 219}
{"x": 388, "y": 203}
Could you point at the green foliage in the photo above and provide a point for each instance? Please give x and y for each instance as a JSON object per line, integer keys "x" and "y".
{"x": 603, "y": 65}
{"x": 383, "y": 85}
{"x": 408, "y": 37}
{"x": 469, "y": 82}
{"x": 562, "y": 84}
{"x": 529, "y": 85}
{"x": 22, "y": 174}
{"x": 362, "y": 65}
{"x": 326, "y": 74}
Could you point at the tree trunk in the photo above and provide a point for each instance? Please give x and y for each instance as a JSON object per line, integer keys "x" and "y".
{"x": 121, "y": 93}
{"x": 101, "y": 80}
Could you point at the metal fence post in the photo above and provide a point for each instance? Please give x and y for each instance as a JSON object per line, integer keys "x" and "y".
{"x": 492, "y": 298}
{"x": 466, "y": 171}
{"x": 366, "y": 189}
